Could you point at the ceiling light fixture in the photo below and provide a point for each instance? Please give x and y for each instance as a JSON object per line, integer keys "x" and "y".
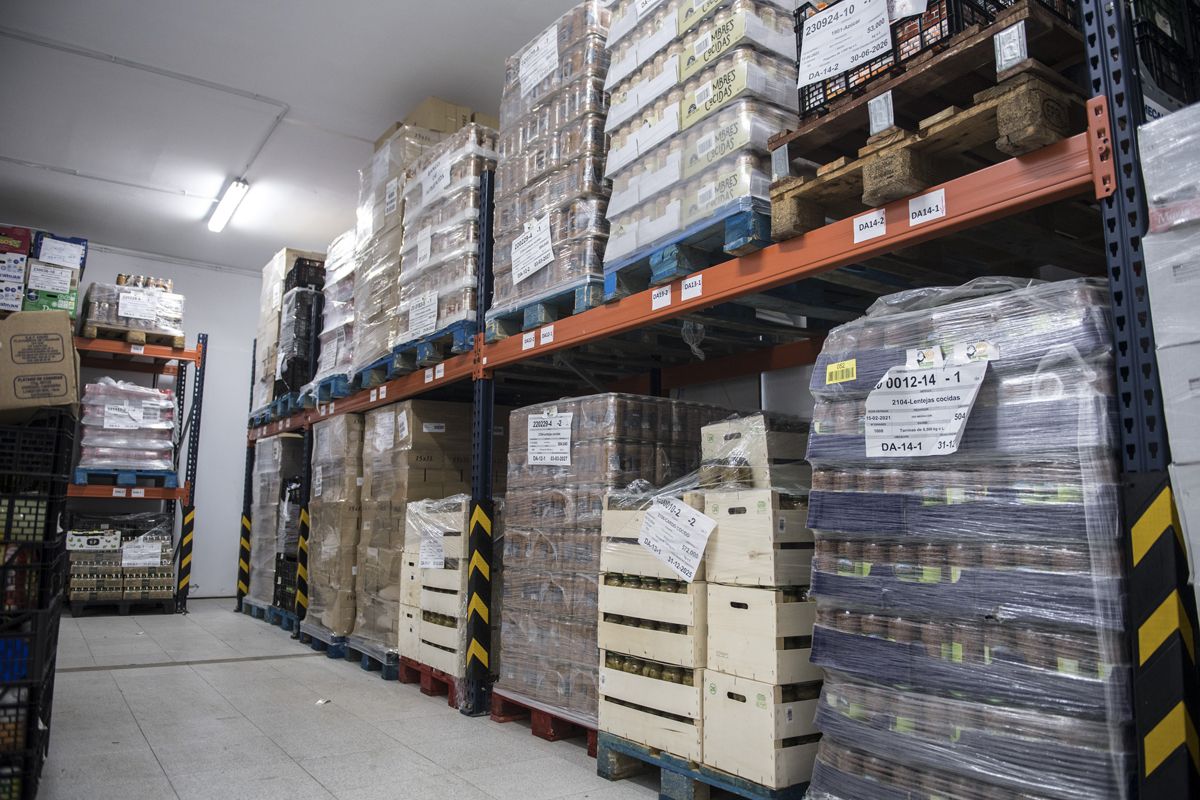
{"x": 228, "y": 204}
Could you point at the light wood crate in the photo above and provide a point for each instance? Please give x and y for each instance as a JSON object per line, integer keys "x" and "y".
{"x": 681, "y": 649}
{"x": 642, "y": 725}
{"x": 770, "y": 458}
{"x": 745, "y": 725}
{"x": 442, "y": 648}
{"x": 761, "y": 538}
{"x": 444, "y": 591}
{"x": 410, "y": 579}
{"x": 408, "y": 637}
{"x": 620, "y": 552}
{"x": 746, "y": 629}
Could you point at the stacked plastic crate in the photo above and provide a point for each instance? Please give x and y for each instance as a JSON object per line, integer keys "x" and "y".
{"x": 276, "y": 461}
{"x": 697, "y": 89}
{"x": 270, "y": 307}
{"x": 299, "y": 321}
{"x": 968, "y": 571}
{"x": 35, "y": 461}
{"x": 551, "y": 194}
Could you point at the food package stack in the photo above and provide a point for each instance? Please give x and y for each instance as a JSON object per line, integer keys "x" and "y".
{"x": 277, "y": 460}
{"x": 98, "y": 557}
{"x": 439, "y": 265}
{"x": 148, "y": 565}
{"x": 379, "y": 236}
{"x": 270, "y": 307}
{"x": 334, "y": 515}
{"x": 139, "y": 306}
{"x": 53, "y": 272}
{"x": 412, "y": 450}
{"x": 298, "y": 322}
{"x": 968, "y": 571}
{"x": 337, "y": 316}
{"x": 436, "y": 633}
{"x": 1172, "y": 171}
{"x": 551, "y": 194}
{"x": 565, "y": 457}
{"x": 95, "y": 566}
{"x": 14, "y": 260}
{"x": 127, "y": 427}
{"x": 697, "y": 87}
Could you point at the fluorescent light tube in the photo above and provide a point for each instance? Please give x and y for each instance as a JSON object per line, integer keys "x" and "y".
{"x": 228, "y": 204}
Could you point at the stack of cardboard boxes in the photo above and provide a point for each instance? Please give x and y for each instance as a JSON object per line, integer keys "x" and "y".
{"x": 40, "y": 271}
{"x": 334, "y": 516}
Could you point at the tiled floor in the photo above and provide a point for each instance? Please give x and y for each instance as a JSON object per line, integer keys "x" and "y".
{"x": 162, "y": 723}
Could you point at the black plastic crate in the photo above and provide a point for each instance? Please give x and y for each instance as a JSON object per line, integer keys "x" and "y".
{"x": 130, "y": 525}
{"x": 296, "y": 373}
{"x": 1167, "y": 16}
{"x": 285, "y": 582}
{"x": 40, "y": 448}
{"x": 306, "y": 272}
{"x": 31, "y": 512}
{"x": 25, "y": 715}
{"x": 28, "y": 644}
{"x": 1168, "y": 63}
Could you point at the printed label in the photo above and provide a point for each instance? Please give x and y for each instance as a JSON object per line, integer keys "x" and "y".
{"x": 374, "y": 395}
{"x": 60, "y": 253}
{"x": 432, "y": 554}
{"x": 1010, "y": 46}
{"x": 137, "y": 349}
{"x": 841, "y": 372}
{"x": 433, "y": 427}
{"x": 924, "y": 358}
{"x": 118, "y": 493}
{"x": 532, "y": 250}
{"x": 549, "y": 439}
{"x": 424, "y": 246}
{"x": 899, "y": 9}
{"x": 317, "y": 480}
{"x": 138, "y": 305}
{"x": 439, "y": 371}
{"x": 391, "y": 197}
{"x": 401, "y": 426}
{"x": 422, "y": 314}
{"x": 137, "y": 493}
{"x": 435, "y": 179}
{"x": 12, "y": 268}
{"x": 841, "y": 37}
{"x": 539, "y": 60}
{"x": 882, "y": 115}
{"x": 385, "y": 431}
{"x": 546, "y": 335}
{"x": 927, "y": 207}
{"x": 137, "y": 553}
{"x": 528, "y": 340}
{"x": 921, "y": 412}
{"x": 693, "y": 287}
{"x": 660, "y": 297}
{"x": 715, "y": 94}
{"x": 676, "y": 534}
{"x": 48, "y": 278}
{"x": 871, "y": 225}
{"x": 118, "y": 416}
{"x": 713, "y": 44}
{"x": 429, "y": 376}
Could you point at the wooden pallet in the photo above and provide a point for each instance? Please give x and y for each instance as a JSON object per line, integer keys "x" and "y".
{"x": 123, "y": 607}
{"x": 373, "y": 658}
{"x": 161, "y": 478}
{"x": 436, "y": 347}
{"x": 94, "y": 330}
{"x": 544, "y": 311}
{"x": 950, "y": 73}
{"x": 544, "y": 724}
{"x": 737, "y": 232}
{"x": 321, "y": 639}
{"x": 619, "y": 758}
{"x": 433, "y": 682}
{"x": 1023, "y": 113}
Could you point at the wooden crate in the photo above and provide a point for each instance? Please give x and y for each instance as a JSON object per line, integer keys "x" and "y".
{"x": 454, "y": 525}
{"x": 681, "y": 649}
{"x": 761, "y": 538}
{"x": 747, "y": 451}
{"x": 677, "y": 737}
{"x": 745, "y": 725}
{"x": 410, "y": 579}
{"x": 620, "y": 530}
{"x": 443, "y": 591}
{"x": 441, "y": 647}
{"x": 746, "y": 632}
{"x": 408, "y": 637}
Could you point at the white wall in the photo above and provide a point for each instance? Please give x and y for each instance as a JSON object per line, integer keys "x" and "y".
{"x": 224, "y": 304}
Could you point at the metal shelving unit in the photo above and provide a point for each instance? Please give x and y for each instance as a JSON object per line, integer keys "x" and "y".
{"x": 608, "y": 346}
{"x": 158, "y": 361}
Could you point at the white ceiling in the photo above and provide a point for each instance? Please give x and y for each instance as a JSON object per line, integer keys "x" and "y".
{"x": 159, "y": 147}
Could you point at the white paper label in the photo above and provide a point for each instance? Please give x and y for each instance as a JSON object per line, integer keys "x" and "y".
{"x": 429, "y": 376}
{"x": 150, "y": 413}
{"x": 435, "y": 179}
{"x": 539, "y": 60}
{"x": 424, "y": 245}
{"x": 927, "y": 207}
{"x": 528, "y": 340}
{"x": 1011, "y": 48}
{"x": 317, "y": 481}
{"x": 374, "y": 395}
{"x": 433, "y": 427}
{"x": 693, "y": 287}
{"x": 118, "y": 416}
{"x": 967, "y": 352}
{"x": 391, "y": 197}
{"x": 921, "y": 412}
{"x": 704, "y": 94}
{"x": 660, "y": 297}
{"x": 881, "y": 113}
{"x": 439, "y": 371}
{"x": 676, "y": 534}
{"x": 61, "y": 254}
{"x": 703, "y": 42}
{"x": 141, "y": 554}
{"x": 382, "y": 392}
{"x": 871, "y": 225}
{"x": 706, "y": 144}
{"x": 138, "y": 305}
{"x": 706, "y": 195}
{"x": 924, "y": 358}
{"x": 118, "y": 493}
{"x": 550, "y": 439}
{"x": 1164, "y": 24}
{"x": 532, "y": 250}
{"x": 385, "y": 431}
{"x": 402, "y": 426}
{"x": 422, "y": 314}
{"x": 640, "y": 7}
{"x": 432, "y": 553}
{"x": 546, "y": 335}
{"x": 899, "y": 9}
{"x": 841, "y": 37}
{"x": 137, "y": 349}
{"x": 48, "y": 278}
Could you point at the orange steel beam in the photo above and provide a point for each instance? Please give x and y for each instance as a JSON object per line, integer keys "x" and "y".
{"x": 452, "y": 370}
{"x": 129, "y": 492}
{"x": 1061, "y": 170}
{"x": 157, "y": 352}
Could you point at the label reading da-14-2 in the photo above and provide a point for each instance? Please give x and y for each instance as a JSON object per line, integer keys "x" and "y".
{"x": 921, "y": 411}
{"x": 550, "y": 440}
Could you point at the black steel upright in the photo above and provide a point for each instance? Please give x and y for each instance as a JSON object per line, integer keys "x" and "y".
{"x": 478, "y": 686}
{"x": 1161, "y": 606}
{"x": 301, "y": 608}
{"x": 188, "y": 528}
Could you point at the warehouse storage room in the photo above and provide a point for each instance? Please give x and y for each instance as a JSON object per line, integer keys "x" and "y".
{"x": 600, "y": 400}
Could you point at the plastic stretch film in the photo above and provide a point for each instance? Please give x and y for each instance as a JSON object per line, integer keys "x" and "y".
{"x": 270, "y": 305}
{"x": 297, "y": 319}
{"x": 119, "y": 307}
{"x": 337, "y": 316}
{"x": 277, "y": 460}
{"x": 551, "y": 194}
{"x": 127, "y": 426}
{"x": 334, "y": 513}
{"x": 970, "y": 605}
{"x": 553, "y": 512}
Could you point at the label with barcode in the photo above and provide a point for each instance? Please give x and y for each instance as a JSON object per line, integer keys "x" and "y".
{"x": 706, "y": 144}
{"x": 707, "y": 195}
{"x": 424, "y": 245}
{"x": 539, "y": 60}
{"x": 391, "y": 197}
{"x": 704, "y": 94}
{"x": 841, "y": 372}
{"x": 702, "y": 43}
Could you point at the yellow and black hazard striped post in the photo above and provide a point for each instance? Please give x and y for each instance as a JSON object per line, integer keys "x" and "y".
{"x": 186, "y": 534}
{"x": 479, "y": 604}
{"x": 1162, "y": 611}
{"x": 302, "y": 564}
{"x": 243, "y": 573}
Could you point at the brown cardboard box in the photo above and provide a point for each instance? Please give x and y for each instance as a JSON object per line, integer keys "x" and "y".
{"x": 486, "y": 120}
{"x": 439, "y": 115}
{"x": 338, "y": 617}
{"x": 38, "y": 363}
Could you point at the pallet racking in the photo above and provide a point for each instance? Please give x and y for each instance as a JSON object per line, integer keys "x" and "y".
{"x": 633, "y": 344}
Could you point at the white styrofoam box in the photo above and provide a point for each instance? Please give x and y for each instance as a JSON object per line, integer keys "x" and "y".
{"x": 1179, "y": 373}
{"x": 1185, "y": 486}
{"x": 1173, "y": 276}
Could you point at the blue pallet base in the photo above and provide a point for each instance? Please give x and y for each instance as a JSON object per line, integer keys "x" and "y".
{"x": 253, "y": 608}
{"x": 165, "y": 478}
{"x": 335, "y": 387}
{"x": 376, "y": 373}
{"x": 373, "y": 658}
{"x": 286, "y": 406}
{"x": 544, "y": 311}
{"x": 322, "y": 640}
{"x": 743, "y": 229}
{"x": 618, "y": 758}
{"x": 436, "y": 347}
{"x": 260, "y": 417}
{"x": 282, "y": 618}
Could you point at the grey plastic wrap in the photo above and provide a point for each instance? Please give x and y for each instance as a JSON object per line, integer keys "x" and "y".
{"x": 440, "y": 258}
{"x": 334, "y": 512}
{"x": 270, "y": 304}
{"x": 970, "y": 606}
{"x": 276, "y": 460}
{"x": 553, "y": 531}
{"x": 412, "y": 450}
{"x": 131, "y": 308}
{"x": 337, "y": 317}
{"x": 127, "y": 426}
{"x": 295, "y": 324}
{"x": 382, "y": 181}
{"x": 1171, "y": 167}
{"x": 551, "y": 160}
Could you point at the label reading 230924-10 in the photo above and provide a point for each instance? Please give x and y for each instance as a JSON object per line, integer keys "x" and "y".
{"x": 842, "y": 37}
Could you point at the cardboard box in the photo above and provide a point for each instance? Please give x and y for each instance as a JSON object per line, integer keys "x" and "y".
{"x": 12, "y": 266}
{"x": 39, "y": 366}
{"x": 439, "y": 115}
{"x": 1179, "y": 371}
{"x": 1185, "y": 486}
{"x": 1173, "y": 278}
{"x": 36, "y": 300}
{"x": 487, "y": 120}
{"x": 12, "y": 296}
{"x": 61, "y": 251}
{"x": 15, "y": 240}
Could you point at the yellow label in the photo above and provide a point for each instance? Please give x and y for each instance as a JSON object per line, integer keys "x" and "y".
{"x": 711, "y": 45}
{"x": 1068, "y": 666}
{"x": 956, "y": 653}
{"x": 716, "y": 143}
{"x": 864, "y": 569}
{"x": 854, "y": 711}
{"x": 931, "y": 574}
{"x": 987, "y": 655}
{"x": 690, "y": 13}
{"x": 841, "y": 372}
{"x": 955, "y": 574}
{"x": 704, "y": 197}
{"x": 712, "y": 95}
{"x": 903, "y": 725}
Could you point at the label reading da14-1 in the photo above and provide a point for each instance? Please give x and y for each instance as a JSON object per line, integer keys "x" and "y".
{"x": 919, "y": 411}
{"x": 676, "y": 534}
{"x": 926, "y": 208}
{"x": 550, "y": 439}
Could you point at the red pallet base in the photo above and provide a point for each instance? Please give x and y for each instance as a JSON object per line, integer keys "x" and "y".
{"x": 433, "y": 682}
{"x": 544, "y": 724}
